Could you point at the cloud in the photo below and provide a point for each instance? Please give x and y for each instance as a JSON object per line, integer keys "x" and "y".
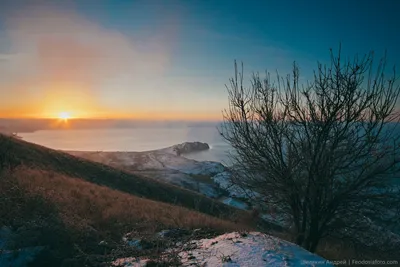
{"x": 58, "y": 52}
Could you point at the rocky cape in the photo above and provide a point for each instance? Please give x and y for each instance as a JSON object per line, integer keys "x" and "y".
{"x": 167, "y": 164}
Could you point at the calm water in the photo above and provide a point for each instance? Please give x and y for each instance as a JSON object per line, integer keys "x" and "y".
{"x": 135, "y": 139}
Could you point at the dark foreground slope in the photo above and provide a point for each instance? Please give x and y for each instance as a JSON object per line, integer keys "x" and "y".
{"x": 69, "y": 219}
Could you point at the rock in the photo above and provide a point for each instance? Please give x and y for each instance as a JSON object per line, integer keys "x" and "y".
{"x": 189, "y": 147}
{"x": 131, "y": 261}
{"x": 20, "y": 257}
{"x": 103, "y": 243}
{"x": 135, "y": 243}
{"x": 132, "y": 242}
{"x": 173, "y": 233}
{"x": 196, "y": 230}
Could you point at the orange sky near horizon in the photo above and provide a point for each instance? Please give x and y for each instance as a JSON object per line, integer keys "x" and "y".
{"x": 84, "y": 114}
{"x": 60, "y": 61}
{"x": 56, "y": 108}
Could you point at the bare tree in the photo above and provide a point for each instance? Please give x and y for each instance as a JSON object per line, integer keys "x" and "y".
{"x": 325, "y": 154}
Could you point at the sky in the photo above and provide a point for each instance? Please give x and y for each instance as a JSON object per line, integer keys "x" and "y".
{"x": 169, "y": 60}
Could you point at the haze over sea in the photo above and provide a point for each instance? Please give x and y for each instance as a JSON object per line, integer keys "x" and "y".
{"x": 138, "y": 139}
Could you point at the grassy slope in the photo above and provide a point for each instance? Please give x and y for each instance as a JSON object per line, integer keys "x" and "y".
{"x": 70, "y": 217}
{"x": 69, "y": 205}
{"x": 38, "y": 157}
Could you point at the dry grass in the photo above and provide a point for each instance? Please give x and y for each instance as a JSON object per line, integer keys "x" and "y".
{"x": 71, "y": 216}
{"x": 97, "y": 204}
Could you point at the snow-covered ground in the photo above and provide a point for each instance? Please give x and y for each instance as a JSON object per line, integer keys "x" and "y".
{"x": 235, "y": 203}
{"x": 223, "y": 180}
{"x": 167, "y": 164}
{"x": 249, "y": 249}
{"x": 239, "y": 250}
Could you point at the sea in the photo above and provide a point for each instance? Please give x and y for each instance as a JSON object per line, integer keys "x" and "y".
{"x": 135, "y": 139}
{"x": 141, "y": 138}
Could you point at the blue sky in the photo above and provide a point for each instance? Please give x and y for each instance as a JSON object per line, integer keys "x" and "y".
{"x": 170, "y": 59}
{"x": 248, "y": 30}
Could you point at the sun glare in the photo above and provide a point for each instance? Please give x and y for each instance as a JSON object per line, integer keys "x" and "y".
{"x": 64, "y": 116}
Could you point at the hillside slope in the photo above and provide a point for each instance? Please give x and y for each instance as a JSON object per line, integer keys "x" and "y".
{"x": 14, "y": 151}
{"x": 66, "y": 220}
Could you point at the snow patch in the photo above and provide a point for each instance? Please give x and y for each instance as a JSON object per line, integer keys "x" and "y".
{"x": 223, "y": 180}
{"x": 238, "y": 250}
{"x": 130, "y": 262}
{"x": 235, "y": 203}
{"x": 251, "y": 249}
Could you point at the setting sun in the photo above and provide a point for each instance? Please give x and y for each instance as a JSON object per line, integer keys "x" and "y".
{"x": 64, "y": 116}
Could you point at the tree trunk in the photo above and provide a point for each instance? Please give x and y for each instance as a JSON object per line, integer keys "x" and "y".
{"x": 312, "y": 239}
{"x": 301, "y": 233}
{"x": 314, "y": 244}
{"x": 300, "y": 239}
